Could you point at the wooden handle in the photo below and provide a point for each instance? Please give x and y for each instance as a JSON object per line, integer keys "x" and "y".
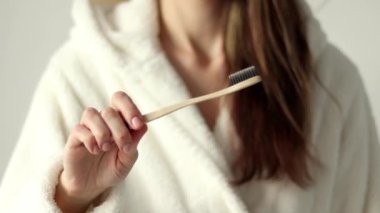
{"x": 231, "y": 89}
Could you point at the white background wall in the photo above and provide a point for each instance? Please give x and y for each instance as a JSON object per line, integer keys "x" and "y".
{"x": 29, "y": 33}
{"x": 31, "y": 30}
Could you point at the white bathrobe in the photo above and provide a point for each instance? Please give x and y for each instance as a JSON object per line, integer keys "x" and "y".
{"x": 181, "y": 166}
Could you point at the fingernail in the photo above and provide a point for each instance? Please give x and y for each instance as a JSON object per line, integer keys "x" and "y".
{"x": 137, "y": 122}
{"x": 126, "y": 148}
{"x": 106, "y": 147}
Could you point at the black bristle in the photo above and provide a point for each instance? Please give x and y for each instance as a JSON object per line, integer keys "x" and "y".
{"x": 242, "y": 75}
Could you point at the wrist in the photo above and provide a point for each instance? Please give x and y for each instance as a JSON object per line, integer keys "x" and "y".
{"x": 72, "y": 199}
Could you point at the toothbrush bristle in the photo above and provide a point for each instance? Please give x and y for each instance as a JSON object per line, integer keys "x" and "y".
{"x": 242, "y": 75}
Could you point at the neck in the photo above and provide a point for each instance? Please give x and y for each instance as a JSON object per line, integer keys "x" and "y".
{"x": 193, "y": 27}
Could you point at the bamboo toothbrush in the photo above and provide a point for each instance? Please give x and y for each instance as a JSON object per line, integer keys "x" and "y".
{"x": 238, "y": 81}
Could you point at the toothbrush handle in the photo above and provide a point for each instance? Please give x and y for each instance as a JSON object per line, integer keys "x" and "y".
{"x": 172, "y": 108}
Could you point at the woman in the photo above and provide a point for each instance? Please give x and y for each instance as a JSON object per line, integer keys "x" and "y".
{"x": 302, "y": 141}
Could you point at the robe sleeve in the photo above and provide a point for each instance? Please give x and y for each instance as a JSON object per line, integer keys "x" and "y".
{"x": 32, "y": 174}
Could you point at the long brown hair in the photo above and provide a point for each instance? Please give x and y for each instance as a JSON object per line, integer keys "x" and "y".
{"x": 271, "y": 119}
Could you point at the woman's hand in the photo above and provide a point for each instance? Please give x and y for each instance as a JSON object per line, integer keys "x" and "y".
{"x": 99, "y": 153}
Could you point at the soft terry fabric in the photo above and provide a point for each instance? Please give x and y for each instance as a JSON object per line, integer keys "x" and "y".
{"x": 181, "y": 168}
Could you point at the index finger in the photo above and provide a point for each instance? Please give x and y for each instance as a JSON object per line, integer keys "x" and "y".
{"x": 131, "y": 114}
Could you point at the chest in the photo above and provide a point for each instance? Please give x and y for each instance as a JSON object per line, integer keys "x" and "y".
{"x": 201, "y": 83}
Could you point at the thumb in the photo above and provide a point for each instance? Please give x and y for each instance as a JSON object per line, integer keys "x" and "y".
{"x": 125, "y": 161}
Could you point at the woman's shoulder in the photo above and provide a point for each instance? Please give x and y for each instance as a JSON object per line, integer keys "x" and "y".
{"x": 338, "y": 78}
{"x": 72, "y": 73}
{"x": 64, "y": 61}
